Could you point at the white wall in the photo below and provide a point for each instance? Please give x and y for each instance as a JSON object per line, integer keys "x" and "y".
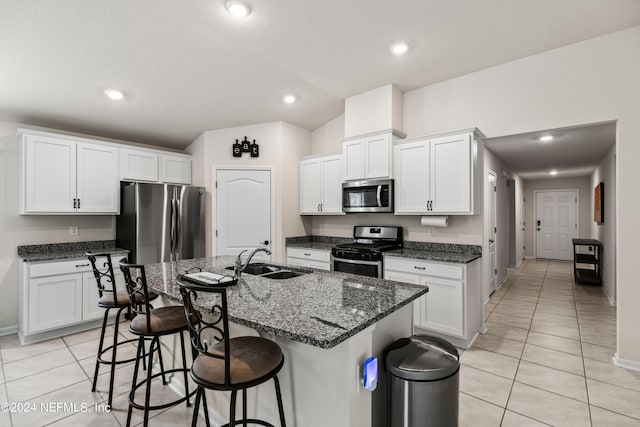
{"x": 588, "y": 82}
{"x": 328, "y": 137}
{"x": 281, "y": 145}
{"x": 606, "y": 232}
{"x": 582, "y": 184}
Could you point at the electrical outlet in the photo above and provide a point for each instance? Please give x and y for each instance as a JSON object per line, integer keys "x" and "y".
{"x": 590, "y": 248}
{"x": 73, "y": 230}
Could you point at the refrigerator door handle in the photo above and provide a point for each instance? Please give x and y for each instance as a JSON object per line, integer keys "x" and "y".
{"x": 173, "y": 232}
{"x": 178, "y": 219}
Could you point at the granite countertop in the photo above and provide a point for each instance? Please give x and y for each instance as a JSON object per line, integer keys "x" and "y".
{"x": 443, "y": 256}
{"x": 316, "y": 242}
{"x": 62, "y": 251}
{"x": 444, "y": 252}
{"x": 321, "y": 308}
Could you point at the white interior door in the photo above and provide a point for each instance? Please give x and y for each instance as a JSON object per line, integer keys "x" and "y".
{"x": 491, "y": 234}
{"x": 556, "y": 224}
{"x": 242, "y": 211}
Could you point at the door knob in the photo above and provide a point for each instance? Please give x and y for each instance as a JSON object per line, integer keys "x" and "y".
{"x": 538, "y": 228}
{"x": 491, "y": 241}
{"x": 266, "y": 242}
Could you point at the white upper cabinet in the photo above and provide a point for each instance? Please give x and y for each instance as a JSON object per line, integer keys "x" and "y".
{"x": 451, "y": 174}
{"x": 321, "y": 185}
{"x": 437, "y": 175}
{"x": 97, "y": 173}
{"x": 48, "y": 175}
{"x": 175, "y": 169}
{"x": 64, "y": 176}
{"x": 154, "y": 166}
{"x": 139, "y": 165}
{"x": 367, "y": 157}
{"x": 411, "y": 176}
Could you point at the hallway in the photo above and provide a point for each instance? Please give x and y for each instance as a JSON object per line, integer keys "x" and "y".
{"x": 547, "y": 356}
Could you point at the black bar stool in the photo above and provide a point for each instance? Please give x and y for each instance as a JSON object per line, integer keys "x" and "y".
{"x": 154, "y": 323}
{"x": 231, "y": 364}
{"x": 110, "y": 298}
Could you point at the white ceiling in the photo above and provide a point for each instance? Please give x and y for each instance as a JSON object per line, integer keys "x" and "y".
{"x": 573, "y": 152}
{"x": 187, "y": 66}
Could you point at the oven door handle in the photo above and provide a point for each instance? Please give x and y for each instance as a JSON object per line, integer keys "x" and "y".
{"x": 379, "y": 196}
{"x": 356, "y": 261}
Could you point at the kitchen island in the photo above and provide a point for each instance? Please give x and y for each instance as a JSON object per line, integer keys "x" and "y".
{"x": 327, "y": 324}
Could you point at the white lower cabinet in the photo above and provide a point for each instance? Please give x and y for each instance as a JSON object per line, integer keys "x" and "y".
{"x": 54, "y": 301}
{"x": 57, "y": 298}
{"x": 452, "y": 306}
{"x": 310, "y": 258}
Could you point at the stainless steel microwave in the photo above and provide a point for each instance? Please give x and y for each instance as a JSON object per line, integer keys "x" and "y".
{"x": 373, "y": 195}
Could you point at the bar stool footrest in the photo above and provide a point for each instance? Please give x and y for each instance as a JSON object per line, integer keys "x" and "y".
{"x": 117, "y": 362}
{"x": 164, "y": 405}
{"x": 249, "y": 421}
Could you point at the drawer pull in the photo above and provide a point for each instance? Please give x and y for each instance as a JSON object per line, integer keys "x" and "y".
{"x": 419, "y": 268}
{"x": 307, "y": 254}
{"x": 82, "y": 265}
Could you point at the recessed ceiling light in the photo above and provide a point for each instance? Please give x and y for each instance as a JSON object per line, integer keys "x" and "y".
{"x": 238, "y": 9}
{"x": 553, "y": 172}
{"x": 546, "y": 138}
{"x": 289, "y": 99}
{"x": 400, "y": 48}
{"x": 115, "y": 94}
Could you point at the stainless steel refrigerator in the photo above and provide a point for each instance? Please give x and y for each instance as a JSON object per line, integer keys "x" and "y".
{"x": 161, "y": 222}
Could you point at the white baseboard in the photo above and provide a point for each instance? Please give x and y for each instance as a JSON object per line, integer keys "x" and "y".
{"x": 8, "y": 330}
{"x": 611, "y": 301}
{"x": 624, "y": 363}
{"x": 529, "y": 257}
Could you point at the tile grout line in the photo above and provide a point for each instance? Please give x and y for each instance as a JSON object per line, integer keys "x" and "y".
{"x": 584, "y": 368}
{"x": 520, "y": 359}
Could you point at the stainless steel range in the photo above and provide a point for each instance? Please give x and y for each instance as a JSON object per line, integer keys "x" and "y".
{"x": 365, "y": 254}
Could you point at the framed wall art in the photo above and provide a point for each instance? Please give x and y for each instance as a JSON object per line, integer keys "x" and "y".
{"x": 598, "y": 203}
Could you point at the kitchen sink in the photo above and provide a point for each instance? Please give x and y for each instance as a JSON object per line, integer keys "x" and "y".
{"x": 270, "y": 271}
{"x": 258, "y": 268}
{"x": 282, "y": 274}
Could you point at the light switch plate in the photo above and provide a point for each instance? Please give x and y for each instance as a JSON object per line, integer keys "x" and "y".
{"x": 73, "y": 230}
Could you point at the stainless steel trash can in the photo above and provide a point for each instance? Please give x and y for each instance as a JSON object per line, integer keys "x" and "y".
{"x": 423, "y": 373}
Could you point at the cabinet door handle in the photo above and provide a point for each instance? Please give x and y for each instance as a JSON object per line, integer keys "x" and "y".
{"x": 82, "y": 265}
{"x": 307, "y": 254}
{"x": 78, "y": 203}
{"x": 318, "y": 207}
{"x": 419, "y": 268}
{"x": 75, "y": 203}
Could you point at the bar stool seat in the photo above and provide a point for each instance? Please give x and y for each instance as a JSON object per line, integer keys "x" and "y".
{"x": 251, "y": 359}
{"x": 120, "y": 299}
{"x": 163, "y": 321}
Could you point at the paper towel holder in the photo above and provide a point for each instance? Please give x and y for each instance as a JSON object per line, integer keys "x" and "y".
{"x": 434, "y": 220}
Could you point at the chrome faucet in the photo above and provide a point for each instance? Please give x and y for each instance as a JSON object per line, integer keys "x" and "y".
{"x": 239, "y": 268}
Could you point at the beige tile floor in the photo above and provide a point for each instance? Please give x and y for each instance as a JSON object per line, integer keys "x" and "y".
{"x": 545, "y": 360}
{"x": 59, "y": 372}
